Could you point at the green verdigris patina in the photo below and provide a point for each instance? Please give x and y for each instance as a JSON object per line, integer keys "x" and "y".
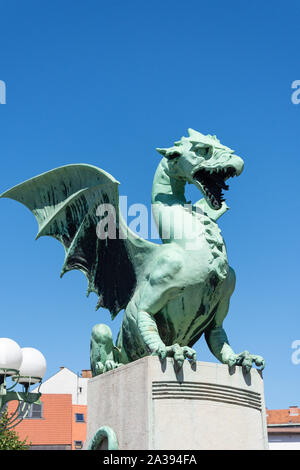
{"x": 172, "y": 292}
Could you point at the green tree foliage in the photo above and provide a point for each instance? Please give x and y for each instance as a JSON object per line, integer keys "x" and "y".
{"x": 9, "y": 439}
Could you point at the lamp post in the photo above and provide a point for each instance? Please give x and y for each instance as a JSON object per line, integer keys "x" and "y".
{"x": 26, "y": 367}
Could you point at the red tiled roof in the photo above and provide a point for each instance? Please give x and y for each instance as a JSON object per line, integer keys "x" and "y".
{"x": 291, "y": 415}
{"x": 54, "y": 428}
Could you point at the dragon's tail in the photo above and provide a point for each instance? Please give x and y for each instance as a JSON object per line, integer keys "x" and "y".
{"x": 104, "y": 439}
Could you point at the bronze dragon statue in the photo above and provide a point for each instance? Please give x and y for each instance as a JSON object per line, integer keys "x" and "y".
{"x": 172, "y": 292}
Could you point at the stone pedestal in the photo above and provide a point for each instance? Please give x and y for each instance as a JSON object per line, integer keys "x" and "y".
{"x": 204, "y": 406}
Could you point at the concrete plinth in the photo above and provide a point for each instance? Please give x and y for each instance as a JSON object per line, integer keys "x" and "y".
{"x": 204, "y": 406}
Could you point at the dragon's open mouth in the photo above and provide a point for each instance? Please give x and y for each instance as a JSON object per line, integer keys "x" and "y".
{"x": 213, "y": 182}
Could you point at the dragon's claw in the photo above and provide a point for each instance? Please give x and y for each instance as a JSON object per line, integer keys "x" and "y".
{"x": 161, "y": 352}
{"x": 259, "y": 361}
{"x": 99, "y": 368}
{"x": 178, "y": 353}
{"x": 245, "y": 359}
{"x": 109, "y": 365}
{"x": 190, "y": 353}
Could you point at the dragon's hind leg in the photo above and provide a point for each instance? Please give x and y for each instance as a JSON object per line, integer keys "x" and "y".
{"x": 104, "y": 355}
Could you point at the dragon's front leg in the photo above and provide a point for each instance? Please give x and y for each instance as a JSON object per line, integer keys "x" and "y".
{"x": 149, "y": 332}
{"x": 216, "y": 337}
{"x": 219, "y": 345}
{"x": 163, "y": 284}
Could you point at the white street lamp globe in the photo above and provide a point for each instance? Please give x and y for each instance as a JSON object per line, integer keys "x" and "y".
{"x": 33, "y": 366}
{"x": 10, "y": 356}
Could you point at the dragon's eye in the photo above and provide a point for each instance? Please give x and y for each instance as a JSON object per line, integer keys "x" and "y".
{"x": 202, "y": 150}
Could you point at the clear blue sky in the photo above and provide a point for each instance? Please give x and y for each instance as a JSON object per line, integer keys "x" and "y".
{"x": 105, "y": 83}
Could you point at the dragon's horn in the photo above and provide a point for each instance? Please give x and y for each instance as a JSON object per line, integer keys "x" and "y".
{"x": 194, "y": 134}
{"x": 162, "y": 151}
{"x": 170, "y": 153}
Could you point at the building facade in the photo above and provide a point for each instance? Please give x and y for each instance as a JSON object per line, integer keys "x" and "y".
{"x": 284, "y": 428}
{"x": 66, "y": 381}
{"x": 59, "y": 422}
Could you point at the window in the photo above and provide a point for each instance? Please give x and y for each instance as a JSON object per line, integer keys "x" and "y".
{"x": 79, "y": 417}
{"x": 78, "y": 444}
{"x": 31, "y": 411}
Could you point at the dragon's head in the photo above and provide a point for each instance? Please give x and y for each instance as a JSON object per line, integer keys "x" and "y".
{"x": 203, "y": 161}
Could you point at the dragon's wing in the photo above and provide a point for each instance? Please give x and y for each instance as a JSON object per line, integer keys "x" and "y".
{"x": 64, "y": 202}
